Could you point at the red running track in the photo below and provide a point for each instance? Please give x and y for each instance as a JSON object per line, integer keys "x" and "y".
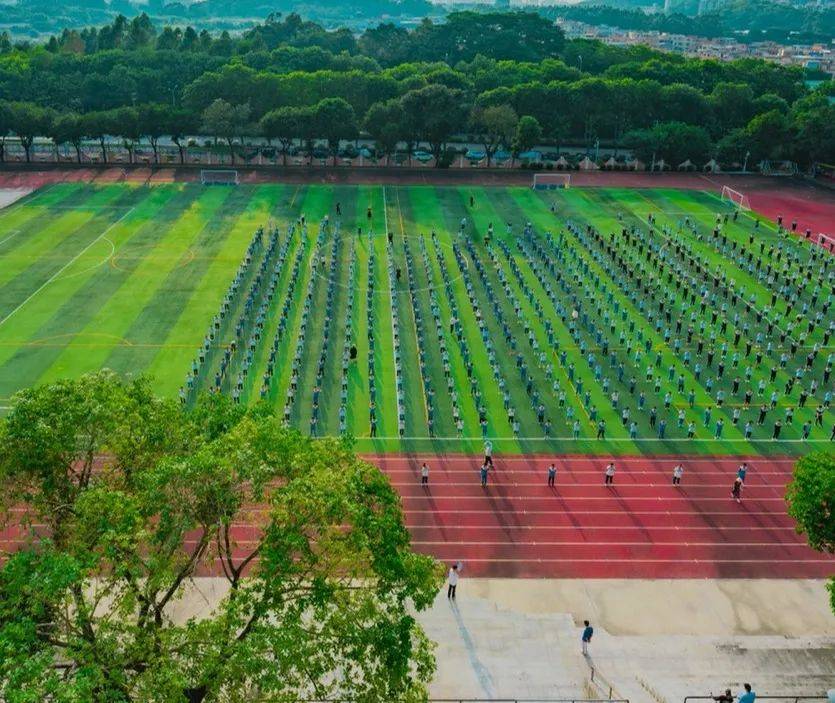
{"x": 642, "y": 527}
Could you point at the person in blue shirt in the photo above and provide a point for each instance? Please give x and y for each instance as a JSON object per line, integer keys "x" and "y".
{"x": 588, "y": 631}
{"x": 746, "y": 695}
{"x": 741, "y": 471}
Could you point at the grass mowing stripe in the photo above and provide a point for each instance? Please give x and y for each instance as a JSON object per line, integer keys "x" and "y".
{"x": 282, "y": 216}
{"x": 49, "y": 329}
{"x": 162, "y": 245}
{"x": 356, "y": 418}
{"x": 443, "y": 417}
{"x": 386, "y": 396}
{"x": 303, "y": 201}
{"x": 45, "y": 252}
{"x": 182, "y": 307}
{"x": 29, "y": 215}
{"x": 318, "y": 203}
{"x": 414, "y": 401}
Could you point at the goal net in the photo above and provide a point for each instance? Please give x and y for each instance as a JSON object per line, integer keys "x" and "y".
{"x": 550, "y": 181}
{"x": 219, "y": 177}
{"x": 826, "y": 242}
{"x": 736, "y": 198}
{"x": 778, "y": 168}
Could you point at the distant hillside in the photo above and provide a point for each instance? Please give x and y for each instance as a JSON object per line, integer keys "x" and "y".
{"x": 752, "y": 20}
{"x": 35, "y": 18}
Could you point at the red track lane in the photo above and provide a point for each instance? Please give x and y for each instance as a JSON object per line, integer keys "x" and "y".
{"x": 642, "y": 527}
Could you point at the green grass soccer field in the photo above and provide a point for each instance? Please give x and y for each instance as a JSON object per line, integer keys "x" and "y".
{"x": 531, "y": 338}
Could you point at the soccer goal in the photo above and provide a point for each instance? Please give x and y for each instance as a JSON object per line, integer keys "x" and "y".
{"x": 550, "y": 181}
{"x": 228, "y": 177}
{"x": 778, "y": 168}
{"x": 736, "y": 198}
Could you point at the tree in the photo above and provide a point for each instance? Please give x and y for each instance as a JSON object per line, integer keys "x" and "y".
{"x": 27, "y": 122}
{"x": 137, "y": 496}
{"x": 434, "y": 113}
{"x": 100, "y": 125}
{"x": 283, "y": 124}
{"x": 811, "y": 502}
{"x": 496, "y": 125}
{"x": 5, "y": 127}
{"x": 672, "y": 141}
{"x": 154, "y": 121}
{"x": 227, "y": 121}
{"x": 68, "y": 128}
{"x": 181, "y": 123}
{"x": 528, "y": 134}
{"x": 335, "y": 120}
{"x": 385, "y": 122}
{"x": 127, "y": 126}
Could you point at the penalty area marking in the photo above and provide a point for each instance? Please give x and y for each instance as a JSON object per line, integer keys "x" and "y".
{"x": 58, "y": 273}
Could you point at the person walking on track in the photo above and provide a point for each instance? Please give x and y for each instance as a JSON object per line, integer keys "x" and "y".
{"x": 552, "y": 474}
{"x": 488, "y": 453}
{"x": 485, "y": 468}
{"x": 424, "y": 475}
{"x": 610, "y": 474}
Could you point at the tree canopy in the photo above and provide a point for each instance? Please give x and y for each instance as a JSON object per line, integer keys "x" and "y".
{"x": 129, "y": 80}
{"x": 128, "y": 498}
{"x": 811, "y": 502}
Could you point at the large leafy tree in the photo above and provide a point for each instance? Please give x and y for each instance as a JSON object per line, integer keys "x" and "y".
{"x": 68, "y": 128}
{"x": 434, "y": 112}
{"x": 284, "y": 124}
{"x": 226, "y": 121}
{"x": 811, "y": 502}
{"x": 130, "y": 498}
{"x": 29, "y": 121}
{"x": 335, "y": 120}
{"x": 496, "y": 124}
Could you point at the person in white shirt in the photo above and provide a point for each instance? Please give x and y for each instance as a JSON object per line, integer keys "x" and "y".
{"x": 488, "y": 453}
{"x": 453, "y": 581}
{"x": 424, "y": 475}
{"x": 678, "y": 472}
{"x": 610, "y": 474}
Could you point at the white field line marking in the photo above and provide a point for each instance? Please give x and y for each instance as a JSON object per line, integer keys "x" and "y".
{"x": 55, "y": 275}
{"x": 94, "y": 266}
{"x": 652, "y": 460}
{"x": 12, "y": 234}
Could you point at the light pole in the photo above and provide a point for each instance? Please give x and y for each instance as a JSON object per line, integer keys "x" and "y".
{"x": 745, "y": 162}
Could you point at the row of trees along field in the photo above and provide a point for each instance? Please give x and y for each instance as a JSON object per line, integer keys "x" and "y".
{"x": 500, "y": 79}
